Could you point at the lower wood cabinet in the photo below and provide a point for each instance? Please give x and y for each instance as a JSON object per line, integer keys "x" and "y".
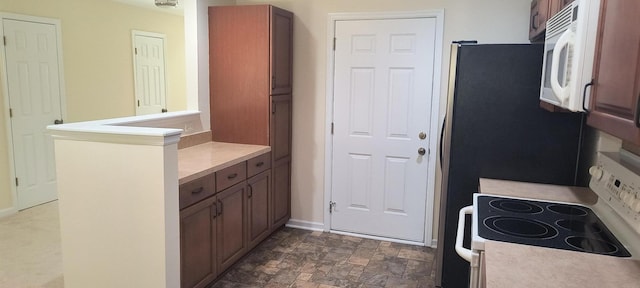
{"x": 258, "y": 195}
{"x": 198, "y": 233}
{"x": 281, "y": 200}
{"x": 217, "y": 231}
{"x": 231, "y": 242}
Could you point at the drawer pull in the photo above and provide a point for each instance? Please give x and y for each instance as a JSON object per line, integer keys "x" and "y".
{"x": 219, "y": 207}
{"x": 215, "y": 210}
{"x": 250, "y": 192}
{"x": 198, "y": 191}
{"x": 260, "y": 164}
{"x": 234, "y": 175}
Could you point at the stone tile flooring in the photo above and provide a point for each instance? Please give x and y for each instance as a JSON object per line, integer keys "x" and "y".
{"x": 300, "y": 258}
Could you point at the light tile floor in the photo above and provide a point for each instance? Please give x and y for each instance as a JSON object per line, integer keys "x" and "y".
{"x": 30, "y": 258}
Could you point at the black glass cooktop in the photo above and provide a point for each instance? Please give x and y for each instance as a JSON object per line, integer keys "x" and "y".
{"x": 546, "y": 224}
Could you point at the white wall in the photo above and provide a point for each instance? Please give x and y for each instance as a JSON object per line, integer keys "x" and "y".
{"x": 489, "y": 21}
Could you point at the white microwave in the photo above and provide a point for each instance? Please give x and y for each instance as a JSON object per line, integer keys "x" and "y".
{"x": 569, "y": 54}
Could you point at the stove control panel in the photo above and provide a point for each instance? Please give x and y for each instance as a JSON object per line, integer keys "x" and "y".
{"x": 616, "y": 180}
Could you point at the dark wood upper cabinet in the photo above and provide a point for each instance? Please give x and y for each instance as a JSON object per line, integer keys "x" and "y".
{"x": 615, "y": 93}
{"x": 541, "y": 11}
{"x": 281, "y": 51}
{"x": 539, "y": 15}
{"x": 251, "y": 54}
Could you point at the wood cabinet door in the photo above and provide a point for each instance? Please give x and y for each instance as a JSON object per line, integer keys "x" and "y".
{"x": 281, "y": 51}
{"x": 259, "y": 188}
{"x": 198, "y": 263}
{"x": 615, "y": 93}
{"x": 281, "y": 194}
{"x": 538, "y": 19}
{"x": 280, "y": 127}
{"x": 239, "y": 73}
{"x": 231, "y": 244}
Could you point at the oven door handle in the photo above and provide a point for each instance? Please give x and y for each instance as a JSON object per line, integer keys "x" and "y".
{"x": 466, "y": 254}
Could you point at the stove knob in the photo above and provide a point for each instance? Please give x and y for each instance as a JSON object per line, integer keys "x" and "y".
{"x": 596, "y": 172}
{"x": 636, "y": 205}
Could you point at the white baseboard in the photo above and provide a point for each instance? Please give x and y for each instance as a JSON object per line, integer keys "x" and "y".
{"x": 434, "y": 243}
{"x": 8, "y": 212}
{"x": 305, "y": 225}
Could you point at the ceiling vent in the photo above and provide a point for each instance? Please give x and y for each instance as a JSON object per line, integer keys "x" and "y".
{"x": 166, "y": 3}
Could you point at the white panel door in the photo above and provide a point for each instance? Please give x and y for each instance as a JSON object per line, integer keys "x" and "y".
{"x": 31, "y": 54}
{"x": 149, "y": 74}
{"x": 382, "y": 96}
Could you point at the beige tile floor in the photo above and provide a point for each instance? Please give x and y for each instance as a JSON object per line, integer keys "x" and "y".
{"x": 30, "y": 248}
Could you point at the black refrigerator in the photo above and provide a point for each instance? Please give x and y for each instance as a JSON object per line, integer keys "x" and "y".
{"x": 494, "y": 128}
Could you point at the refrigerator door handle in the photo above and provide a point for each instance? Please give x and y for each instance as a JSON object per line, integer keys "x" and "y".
{"x": 442, "y": 138}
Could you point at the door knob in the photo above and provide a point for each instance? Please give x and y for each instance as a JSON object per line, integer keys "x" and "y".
{"x": 58, "y": 121}
{"x": 421, "y": 151}
{"x": 422, "y": 135}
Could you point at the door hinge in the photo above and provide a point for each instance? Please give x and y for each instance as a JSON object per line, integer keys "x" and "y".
{"x": 332, "y": 206}
{"x": 138, "y": 103}
{"x": 17, "y": 182}
{"x": 4, "y": 40}
{"x": 273, "y": 108}
{"x": 10, "y": 113}
{"x": 334, "y": 43}
{"x": 331, "y": 128}
{"x": 135, "y": 51}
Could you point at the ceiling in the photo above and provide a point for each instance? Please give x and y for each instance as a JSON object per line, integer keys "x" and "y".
{"x": 150, "y": 4}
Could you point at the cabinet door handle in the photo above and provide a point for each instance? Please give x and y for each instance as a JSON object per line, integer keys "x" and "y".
{"x": 584, "y": 96}
{"x": 198, "y": 191}
{"x": 638, "y": 112}
{"x": 215, "y": 211}
{"x": 534, "y": 21}
{"x": 250, "y": 192}
{"x": 260, "y": 164}
{"x": 234, "y": 175}
{"x": 219, "y": 207}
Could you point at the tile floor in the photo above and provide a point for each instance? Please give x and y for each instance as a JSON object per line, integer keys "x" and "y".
{"x": 30, "y": 257}
{"x": 300, "y": 258}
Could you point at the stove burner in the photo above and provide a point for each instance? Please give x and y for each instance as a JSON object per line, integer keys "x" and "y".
{"x": 515, "y": 206}
{"x": 520, "y": 227}
{"x": 591, "y": 245}
{"x": 567, "y": 210}
{"x": 578, "y": 226}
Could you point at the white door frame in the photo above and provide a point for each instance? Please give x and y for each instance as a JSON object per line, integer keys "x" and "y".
{"x": 438, "y": 14}
{"x": 135, "y": 33}
{"x": 5, "y": 93}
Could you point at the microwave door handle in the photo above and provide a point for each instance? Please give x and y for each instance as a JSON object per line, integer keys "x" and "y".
{"x": 561, "y": 92}
{"x": 466, "y": 254}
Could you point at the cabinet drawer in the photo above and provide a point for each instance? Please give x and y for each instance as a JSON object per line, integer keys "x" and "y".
{"x": 196, "y": 190}
{"x": 227, "y": 177}
{"x": 258, "y": 164}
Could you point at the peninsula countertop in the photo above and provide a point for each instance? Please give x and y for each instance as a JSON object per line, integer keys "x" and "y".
{"x": 516, "y": 265}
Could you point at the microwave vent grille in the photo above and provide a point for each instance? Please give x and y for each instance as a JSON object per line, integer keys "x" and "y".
{"x": 559, "y": 22}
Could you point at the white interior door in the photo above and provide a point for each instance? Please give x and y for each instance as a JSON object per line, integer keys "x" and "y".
{"x": 382, "y": 95}
{"x": 149, "y": 67}
{"x": 34, "y": 85}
